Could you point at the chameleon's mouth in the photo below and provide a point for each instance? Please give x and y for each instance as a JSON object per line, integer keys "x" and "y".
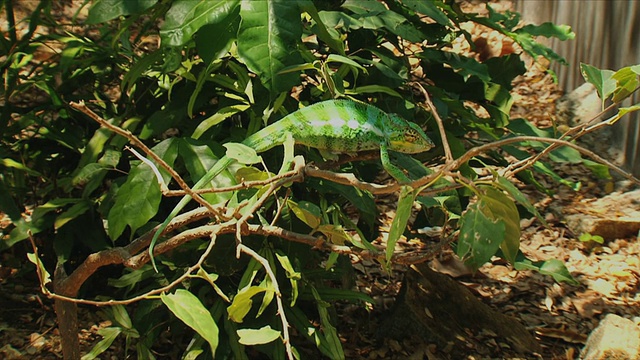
{"x": 411, "y": 148}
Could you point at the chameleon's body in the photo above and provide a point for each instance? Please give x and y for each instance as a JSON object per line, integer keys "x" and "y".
{"x": 338, "y": 126}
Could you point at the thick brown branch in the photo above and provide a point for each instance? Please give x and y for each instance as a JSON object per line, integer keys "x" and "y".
{"x": 70, "y": 285}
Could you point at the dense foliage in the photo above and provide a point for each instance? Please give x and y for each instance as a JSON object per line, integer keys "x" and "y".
{"x": 225, "y": 69}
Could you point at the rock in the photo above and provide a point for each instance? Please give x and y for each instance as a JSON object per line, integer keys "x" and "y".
{"x": 615, "y": 338}
{"x": 615, "y": 216}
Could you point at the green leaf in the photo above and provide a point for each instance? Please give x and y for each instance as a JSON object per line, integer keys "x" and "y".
{"x": 108, "y": 336}
{"x": 500, "y": 207}
{"x": 368, "y": 7}
{"x": 362, "y": 200}
{"x": 12, "y": 164}
{"x": 565, "y": 154}
{"x": 553, "y": 267}
{"x": 624, "y": 111}
{"x": 198, "y": 159}
{"x": 601, "y": 79}
{"x": 629, "y": 109}
{"x": 242, "y": 153}
{"x": 267, "y": 40}
{"x": 105, "y": 10}
{"x": 626, "y": 81}
{"x": 139, "y": 68}
{"x": 547, "y": 29}
{"x": 519, "y": 197}
{"x": 186, "y": 307}
{"x": 292, "y": 275}
{"x": 242, "y": 303}
{"x": 217, "y": 118}
{"x": 556, "y": 269}
{"x": 429, "y": 9}
{"x": 121, "y": 316}
{"x": 463, "y": 65}
{"x": 137, "y": 200}
{"x": 136, "y": 203}
{"x": 480, "y": 236}
{"x": 211, "y": 48}
{"x": 368, "y": 89}
{"x": 335, "y": 233}
{"x": 333, "y": 294}
{"x": 399, "y": 223}
{"x": 586, "y": 237}
{"x": 329, "y": 332}
{"x": 344, "y": 60}
{"x": 43, "y": 273}
{"x": 308, "y": 213}
{"x": 88, "y": 173}
{"x": 73, "y": 212}
{"x": 329, "y": 35}
{"x": 263, "y": 335}
{"x": 186, "y": 17}
{"x": 599, "y": 170}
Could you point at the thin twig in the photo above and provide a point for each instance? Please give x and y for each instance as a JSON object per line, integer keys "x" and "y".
{"x": 443, "y": 135}
{"x": 274, "y": 282}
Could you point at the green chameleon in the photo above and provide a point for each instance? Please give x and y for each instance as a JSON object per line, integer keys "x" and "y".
{"x": 334, "y": 126}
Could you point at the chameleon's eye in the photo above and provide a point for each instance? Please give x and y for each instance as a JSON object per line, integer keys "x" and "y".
{"x": 410, "y": 136}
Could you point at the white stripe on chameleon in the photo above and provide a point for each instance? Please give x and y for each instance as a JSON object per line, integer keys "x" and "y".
{"x": 353, "y": 124}
{"x": 336, "y": 116}
{"x": 368, "y": 126}
{"x": 333, "y": 122}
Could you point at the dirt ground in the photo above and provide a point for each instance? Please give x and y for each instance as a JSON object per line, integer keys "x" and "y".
{"x": 560, "y": 315}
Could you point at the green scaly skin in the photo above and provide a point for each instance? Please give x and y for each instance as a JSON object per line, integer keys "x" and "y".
{"x": 336, "y": 126}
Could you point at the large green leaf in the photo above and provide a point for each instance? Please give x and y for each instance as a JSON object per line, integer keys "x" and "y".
{"x": 136, "y": 203}
{"x": 186, "y": 17}
{"x": 267, "y": 40}
{"x": 138, "y": 198}
{"x": 500, "y": 207}
{"x": 264, "y": 335}
{"x": 198, "y": 158}
{"x": 242, "y": 303}
{"x": 561, "y": 32}
{"x": 214, "y": 47}
{"x": 105, "y": 10}
{"x": 399, "y": 223}
{"x": 480, "y": 236}
{"x": 307, "y": 212}
{"x": 601, "y": 79}
{"x": 186, "y": 307}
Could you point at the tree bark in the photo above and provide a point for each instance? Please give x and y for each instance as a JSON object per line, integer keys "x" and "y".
{"x": 439, "y": 310}
{"x": 67, "y": 315}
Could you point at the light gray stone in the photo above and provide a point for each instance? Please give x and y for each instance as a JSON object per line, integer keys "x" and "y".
{"x": 615, "y": 338}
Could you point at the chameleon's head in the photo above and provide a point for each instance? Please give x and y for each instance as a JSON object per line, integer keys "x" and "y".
{"x": 407, "y": 137}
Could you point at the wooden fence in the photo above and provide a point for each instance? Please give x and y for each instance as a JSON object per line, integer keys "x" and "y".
{"x": 607, "y": 36}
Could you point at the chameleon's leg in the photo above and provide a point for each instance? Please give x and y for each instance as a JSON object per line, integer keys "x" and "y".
{"x": 393, "y": 170}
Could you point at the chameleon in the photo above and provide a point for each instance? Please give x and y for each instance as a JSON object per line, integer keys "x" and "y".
{"x": 333, "y": 126}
